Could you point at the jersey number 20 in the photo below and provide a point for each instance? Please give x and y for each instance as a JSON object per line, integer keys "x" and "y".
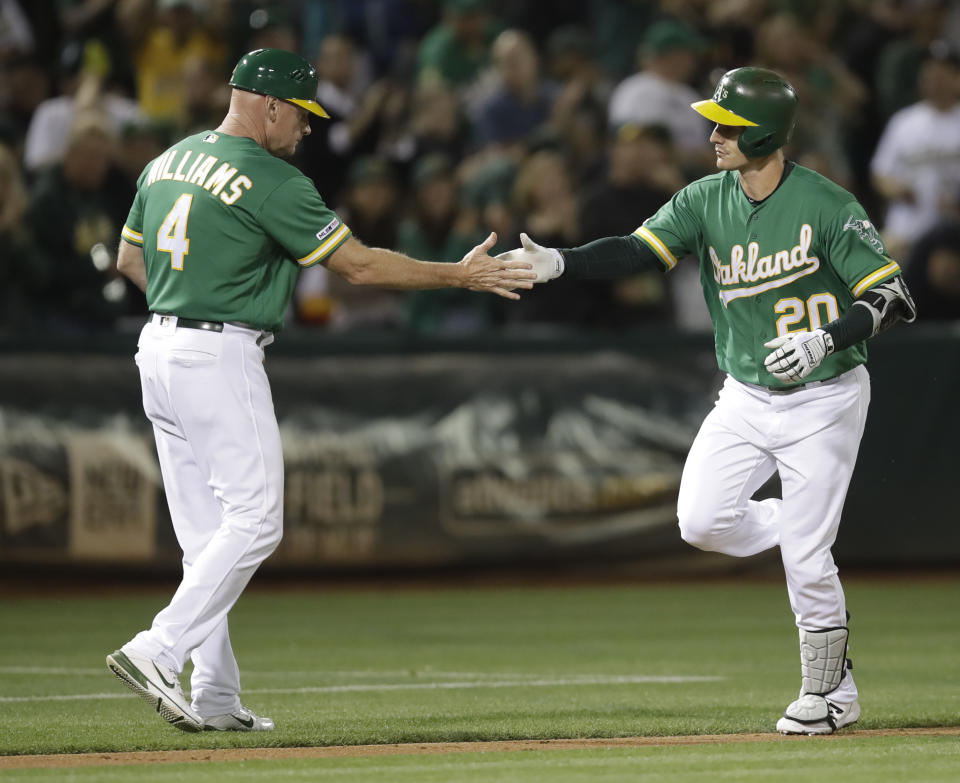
{"x": 172, "y": 234}
{"x": 792, "y": 311}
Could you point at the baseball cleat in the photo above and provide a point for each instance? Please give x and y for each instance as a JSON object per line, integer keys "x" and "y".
{"x": 238, "y": 720}
{"x": 812, "y": 714}
{"x": 158, "y": 686}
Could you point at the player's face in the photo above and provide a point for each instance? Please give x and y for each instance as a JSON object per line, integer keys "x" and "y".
{"x": 292, "y": 123}
{"x": 724, "y": 139}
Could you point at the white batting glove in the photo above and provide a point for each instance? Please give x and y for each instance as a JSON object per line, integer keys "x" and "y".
{"x": 797, "y": 355}
{"x": 547, "y": 261}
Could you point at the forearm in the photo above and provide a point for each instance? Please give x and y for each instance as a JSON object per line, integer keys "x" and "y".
{"x": 388, "y": 269}
{"x": 854, "y": 326}
{"x": 130, "y": 264}
{"x": 609, "y": 258}
{"x": 874, "y": 310}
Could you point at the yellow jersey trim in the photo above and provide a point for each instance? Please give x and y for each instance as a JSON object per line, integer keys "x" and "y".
{"x": 662, "y": 251}
{"x": 131, "y": 236}
{"x": 325, "y": 249}
{"x": 893, "y": 268}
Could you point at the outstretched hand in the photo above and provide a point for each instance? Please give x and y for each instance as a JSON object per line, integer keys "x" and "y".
{"x": 547, "y": 262}
{"x": 496, "y": 275}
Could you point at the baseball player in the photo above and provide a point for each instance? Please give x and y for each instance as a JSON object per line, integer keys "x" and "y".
{"x": 796, "y": 279}
{"x": 216, "y": 237}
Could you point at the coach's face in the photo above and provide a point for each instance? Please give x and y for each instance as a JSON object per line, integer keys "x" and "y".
{"x": 287, "y": 124}
{"x": 724, "y": 139}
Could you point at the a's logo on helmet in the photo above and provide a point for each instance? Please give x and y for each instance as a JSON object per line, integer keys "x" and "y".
{"x": 721, "y": 93}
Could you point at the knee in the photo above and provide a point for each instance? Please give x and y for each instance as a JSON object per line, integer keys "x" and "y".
{"x": 271, "y": 533}
{"x": 696, "y": 526}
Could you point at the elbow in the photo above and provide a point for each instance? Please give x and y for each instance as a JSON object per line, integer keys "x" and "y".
{"x": 124, "y": 267}
{"x": 357, "y": 274}
{"x": 357, "y": 268}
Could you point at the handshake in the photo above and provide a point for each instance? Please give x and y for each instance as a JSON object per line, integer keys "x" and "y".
{"x": 547, "y": 262}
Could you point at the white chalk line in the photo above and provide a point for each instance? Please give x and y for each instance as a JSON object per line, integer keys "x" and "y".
{"x": 413, "y": 686}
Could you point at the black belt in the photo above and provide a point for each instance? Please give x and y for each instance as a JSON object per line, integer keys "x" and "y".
{"x": 192, "y": 323}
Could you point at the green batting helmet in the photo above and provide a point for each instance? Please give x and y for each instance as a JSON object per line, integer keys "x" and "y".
{"x": 284, "y": 75}
{"x": 760, "y": 101}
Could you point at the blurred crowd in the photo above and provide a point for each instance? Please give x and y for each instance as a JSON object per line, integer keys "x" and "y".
{"x": 569, "y": 120}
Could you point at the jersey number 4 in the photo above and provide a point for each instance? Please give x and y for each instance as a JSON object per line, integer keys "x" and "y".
{"x": 172, "y": 234}
{"x": 792, "y": 311}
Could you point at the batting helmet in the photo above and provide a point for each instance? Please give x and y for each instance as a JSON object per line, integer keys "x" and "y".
{"x": 284, "y": 75}
{"x": 760, "y": 101}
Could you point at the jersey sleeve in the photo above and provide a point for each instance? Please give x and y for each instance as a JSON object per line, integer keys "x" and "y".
{"x": 132, "y": 230}
{"x": 857, "y": 252}
{"x": 296, "y": 218}
{"x": 672, "y": 231}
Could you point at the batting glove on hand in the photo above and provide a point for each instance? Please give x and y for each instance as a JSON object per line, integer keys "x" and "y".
{"x": 797, "y": 355}
{"x": 547, "y": 261}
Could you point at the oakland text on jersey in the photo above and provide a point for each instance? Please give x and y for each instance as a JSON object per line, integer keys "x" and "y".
{"x": 197, "y": 168}
{"x": 752, "y": 267}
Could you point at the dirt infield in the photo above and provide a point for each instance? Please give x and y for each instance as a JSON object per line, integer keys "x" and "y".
{"x": 352, "y": 751}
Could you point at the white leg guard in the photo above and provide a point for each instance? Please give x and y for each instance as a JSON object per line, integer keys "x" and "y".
{"x": 823, "y": 659}
{"x": 823, "y": 666}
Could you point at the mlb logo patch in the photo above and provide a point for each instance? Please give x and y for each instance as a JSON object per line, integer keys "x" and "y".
{"x": 210, "y": 138}
{"x": 332, "y": 226}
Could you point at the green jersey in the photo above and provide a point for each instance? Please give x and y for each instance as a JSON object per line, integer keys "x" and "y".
{"x": 225, "y": 228}
{"x": 790, "y": 263}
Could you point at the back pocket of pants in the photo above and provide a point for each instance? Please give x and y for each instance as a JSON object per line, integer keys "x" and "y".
{"x": 191, "y": 357}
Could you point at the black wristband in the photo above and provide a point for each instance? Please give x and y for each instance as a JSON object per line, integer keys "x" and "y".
{"x": 609, "y": 258}
{"x": 853, "y": 327}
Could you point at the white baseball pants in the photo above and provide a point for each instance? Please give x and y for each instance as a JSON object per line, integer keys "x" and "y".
{"x": 209, "y": 400}
{"x": 811, "y": 436}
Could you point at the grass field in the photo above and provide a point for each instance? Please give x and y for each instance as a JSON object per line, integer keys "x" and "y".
{"x": 340, "y": 667}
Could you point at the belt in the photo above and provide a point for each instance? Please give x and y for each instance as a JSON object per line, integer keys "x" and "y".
{"x": 193, "y": 323}
{"x": 795, "y": 387}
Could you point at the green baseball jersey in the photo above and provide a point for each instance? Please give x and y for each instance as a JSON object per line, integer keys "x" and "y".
{"x": 790, "y": 263}
{"x": 225, "y": 228}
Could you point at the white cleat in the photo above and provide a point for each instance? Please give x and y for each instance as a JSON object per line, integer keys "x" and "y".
{"x": 158, "y": 686}
{"x": 812, "y": 714}
{"x": 238, "y": 720}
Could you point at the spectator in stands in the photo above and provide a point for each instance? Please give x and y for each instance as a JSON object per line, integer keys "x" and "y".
{"x": 933, "y": 272}
{"x": 916, "y": 166}
{"x": 22, "y": 273}
{"x": 545, "y": 198}
{"x": 165, "y": 41}
{"x": 487, "y": 192}
{"x": 616, "y": 26}
{"x": 437, "y": 125}
{"x": 456, "y": 50}
{"x": 899, "y": 62}
{"x": 272, "y": 26}
{"x": 81, "y": 198}
{"x": 545, "y": 202}
{"x": 16, "y": 32}
{"x": 371, "y": 210}
{"x": 26, "y": 88}
{"x": 661, "y": 93}
{"x": 640, "y": 176}
{"x": 139, "y": 143}
{"x": 438, "y": 230}
{"x": 207, "y": 95}
{"x": 579, "y": 112}
{"x": 365, "y": 118}
{"x": 85, "y": 87}
{"x": 832, "y": 96}
{"x": 521, "y": 102}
